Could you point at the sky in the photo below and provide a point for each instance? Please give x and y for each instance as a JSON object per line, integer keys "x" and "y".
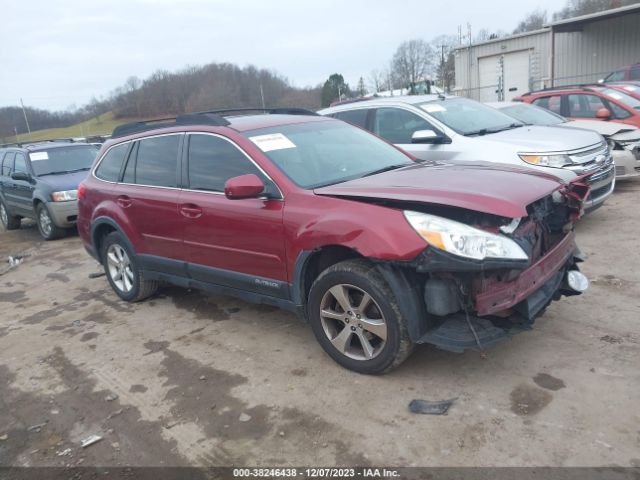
{"x": 59, "y": 54}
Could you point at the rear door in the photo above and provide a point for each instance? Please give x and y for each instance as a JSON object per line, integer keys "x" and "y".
{"x": 22, "y": 189}
{"x": 5, "y": 178}
{"x": 238, "y": 243}
{"x": 147, "y": 199}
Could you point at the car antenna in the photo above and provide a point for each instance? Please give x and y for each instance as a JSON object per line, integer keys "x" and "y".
{"x": 441, "y": 97}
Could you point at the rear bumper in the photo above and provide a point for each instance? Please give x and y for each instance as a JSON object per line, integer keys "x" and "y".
{"x": 63, "y": 214}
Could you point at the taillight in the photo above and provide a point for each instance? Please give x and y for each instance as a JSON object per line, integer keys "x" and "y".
{"x": 82, "y": 189}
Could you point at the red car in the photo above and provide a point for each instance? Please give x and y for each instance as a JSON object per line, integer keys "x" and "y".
{"x": 630, "y": 72}
{"x": 377, "y": 251}
{"x": 595, "y": 102}
{"x": 630, "y": 88}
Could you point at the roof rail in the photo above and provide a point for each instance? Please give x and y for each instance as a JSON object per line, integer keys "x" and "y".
{"x": 7, "y": 145}
{"x": 564, "y": 87}
{"x": 210, "y": 117}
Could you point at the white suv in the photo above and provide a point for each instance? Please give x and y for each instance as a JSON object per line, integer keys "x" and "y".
{"x": 454, "y": 129}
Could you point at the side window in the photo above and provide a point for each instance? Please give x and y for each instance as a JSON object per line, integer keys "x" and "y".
{"x": 618, "y": 112}
{"x": 157, "y": 161}
{"x": 109, "y": 168}
{"x": 354, "y": 117}
{"x": 634, "y": 74}
{"x": 584, "y": 105}
{"x": 7, "y": 164}
{"x": 20, "y": 164}
{"x": 213, "y": 161}
{"x": 396, "y": 125}
{"x": 552, "y": 103}
{"x": 615, "y": 76}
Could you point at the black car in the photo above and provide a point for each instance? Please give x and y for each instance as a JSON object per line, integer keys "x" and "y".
{"x": 40, "y": 181}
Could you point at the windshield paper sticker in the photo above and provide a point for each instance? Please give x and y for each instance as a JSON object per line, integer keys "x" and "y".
{"x": 433, "y": 108}
{"x": 38, "y": 156}
{"x": 273, "y": 141}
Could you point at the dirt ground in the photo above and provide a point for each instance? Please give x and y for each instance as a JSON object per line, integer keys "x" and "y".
{"x": 187, "y": 378}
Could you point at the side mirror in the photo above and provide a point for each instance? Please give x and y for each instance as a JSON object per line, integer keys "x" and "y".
{"x": 426, "y": 136}
{"x": 603, "y": 114}
{"x": 21, "y": 176}
{"x": 244, "y": 186}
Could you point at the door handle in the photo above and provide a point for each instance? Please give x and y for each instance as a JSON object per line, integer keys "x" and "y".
{"x": 124, "y": 201}
{"x": 190, "y": 210}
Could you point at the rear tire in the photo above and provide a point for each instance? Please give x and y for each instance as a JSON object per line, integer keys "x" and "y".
{"x": 122, "y": 270}
{"x": 356, "y": 318}
{"x": 46, "y": 227}
{"x": 9, "y": 222}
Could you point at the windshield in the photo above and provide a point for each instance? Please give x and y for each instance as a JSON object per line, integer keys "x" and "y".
{"x": 469, "y": 117}
{"x": 318, "y": 154}
{"x": 623, "y": 98}
{"x": 63, "y": 159}
{"x": 532, "y": 115}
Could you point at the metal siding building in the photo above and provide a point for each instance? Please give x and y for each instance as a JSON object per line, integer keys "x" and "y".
{"x": 577, "y": 50}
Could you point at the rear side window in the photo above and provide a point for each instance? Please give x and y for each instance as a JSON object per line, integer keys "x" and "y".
{"x": 157, "y": 161}
{"x": 7, "y": 164}
{"x": 551, "y": 103}
{"x": 213, "y": 161}
{"x": 354, "y": 117}
{"x": 109, "y": 168}
{"x": 20, "y": 164}
{"x": 635, "y": 73}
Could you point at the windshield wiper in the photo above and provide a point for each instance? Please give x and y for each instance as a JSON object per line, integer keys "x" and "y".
{"x": 64, "y": 172}
{"x": 485, "y": 131}
{"x": 386, "y": 169}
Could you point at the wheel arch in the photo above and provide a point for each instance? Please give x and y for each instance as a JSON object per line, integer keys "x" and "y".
{"x": 100, "y": 228}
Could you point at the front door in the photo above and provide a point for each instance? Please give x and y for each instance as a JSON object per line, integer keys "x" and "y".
{"x": 238, "y": 243}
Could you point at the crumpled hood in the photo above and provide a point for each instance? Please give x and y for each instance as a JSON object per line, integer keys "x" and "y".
{"x": 61, "y": 183}
{"x": 539, "y": 139}
{"x": 481, "y": 186}
{"x": 606, "y": 129}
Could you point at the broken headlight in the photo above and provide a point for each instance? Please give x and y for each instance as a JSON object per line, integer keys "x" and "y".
{"x": 558, "y": 160}
{"x": 463, "y": 240}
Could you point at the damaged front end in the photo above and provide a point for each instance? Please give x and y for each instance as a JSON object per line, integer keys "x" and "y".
{"x": 488, "y": 277}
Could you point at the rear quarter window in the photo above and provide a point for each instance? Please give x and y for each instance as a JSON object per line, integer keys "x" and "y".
{"x": 109, "y": 168}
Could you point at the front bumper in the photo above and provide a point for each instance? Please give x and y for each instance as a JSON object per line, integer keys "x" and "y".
{"x": 63, "y": 214}
{"x": 602, "y": 183}
{"x": 500, "y": 309}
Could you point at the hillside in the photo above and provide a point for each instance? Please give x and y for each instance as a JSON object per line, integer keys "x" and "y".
{"x": 103, "y": 125}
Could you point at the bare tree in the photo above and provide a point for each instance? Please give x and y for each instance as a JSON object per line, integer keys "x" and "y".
{"x": 412, "y": 61}
{"x": 532, "y": 21}
{"x": 376, "y": 80}
{"x": 575, "y": 8}
{"x": 444, "y": 45}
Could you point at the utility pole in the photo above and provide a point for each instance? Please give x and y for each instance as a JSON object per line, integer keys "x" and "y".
{"x": 24, "y": 112}
{"x": 15, "y": 130}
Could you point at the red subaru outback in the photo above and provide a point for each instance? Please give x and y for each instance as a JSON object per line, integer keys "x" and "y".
{"x": 377, "y": 251}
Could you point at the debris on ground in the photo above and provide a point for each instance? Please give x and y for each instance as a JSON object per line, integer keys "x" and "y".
{"x": 244, "y": 417}
{"x": 90, "y": 440}
{"x": 170, "y": 425}
{"x": 111, "y": 397}
{"x": 16, "y": 260}
{"x": 97, "y": 274}
{"x": 115, "y": 414}
{"x": 202, "y": 377}
{"x": 36, "y": 428}
{"x": 428, "y": 407}
{"x": 64, "y": 453}
{"x": 4, "y": 437}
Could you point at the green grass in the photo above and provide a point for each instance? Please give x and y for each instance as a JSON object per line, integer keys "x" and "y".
{"x": 103, "y": 125}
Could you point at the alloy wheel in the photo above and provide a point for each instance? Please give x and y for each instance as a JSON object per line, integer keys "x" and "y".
{"x": 120, "y": 269}
{"x": 45, "y": 222}
{"x": 353, "y": 322}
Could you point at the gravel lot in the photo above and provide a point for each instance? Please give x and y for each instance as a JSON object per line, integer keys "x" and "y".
{"x": 187, "y": 378}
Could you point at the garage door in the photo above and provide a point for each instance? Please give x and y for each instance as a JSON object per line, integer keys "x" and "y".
{"x": 515, "y": 69}
{"x": 489, "y": 73}
{"x": 516, "y": 74}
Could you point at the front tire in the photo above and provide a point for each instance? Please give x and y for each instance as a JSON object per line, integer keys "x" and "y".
{"x": 356, "y": 318}
{"x": 46, "y": 227}
{"x": 123, "y": 273}
{"x": 9, "y": 222}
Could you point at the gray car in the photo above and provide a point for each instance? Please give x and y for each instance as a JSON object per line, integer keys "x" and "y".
{"x": 40, "y": 181}
{"x": 454, "y": 129}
